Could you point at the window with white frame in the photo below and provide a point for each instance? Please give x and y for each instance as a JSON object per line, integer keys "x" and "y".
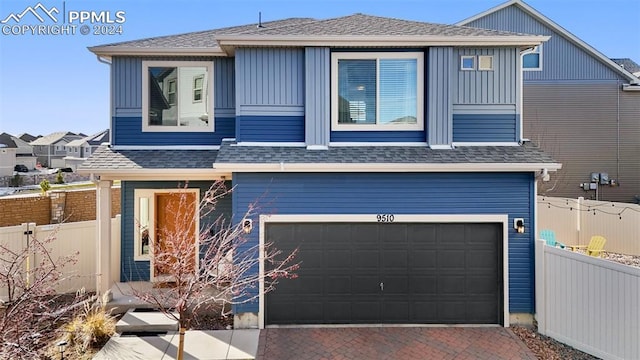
{"x": 177, "y": 96}
{"x": 377, "y": 91}
{"x": 485, "y": 62}
{"x": 149, "y": 207}
{"x": 198, "y": 81}
{"x": 532, "y": 61}
{"x": 467, "y": 62}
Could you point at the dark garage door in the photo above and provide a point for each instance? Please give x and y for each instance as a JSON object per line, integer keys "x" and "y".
{"x": 367, "y": 273}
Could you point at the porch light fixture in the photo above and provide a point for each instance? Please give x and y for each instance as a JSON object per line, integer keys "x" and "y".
{"x": 62, "y": 346}
{"x": 247, "y": 225}
{"x": 518, "y": 224}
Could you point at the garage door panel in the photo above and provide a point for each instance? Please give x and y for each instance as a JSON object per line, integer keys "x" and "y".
{"x": 432, "y": 273}
{"x": 451, "y": 259}
{"x": 423, "y": 285}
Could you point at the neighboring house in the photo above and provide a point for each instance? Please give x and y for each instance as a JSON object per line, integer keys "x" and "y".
{"x": 389, "y": 151}
{"x": 581, "y": 107}
{"x": 50, "y": 150}
{"x": 79, "y": 150}
{"x": 7, "y": 154}
{"x": 24, "y": 152}
{"x": 26, "y": 137}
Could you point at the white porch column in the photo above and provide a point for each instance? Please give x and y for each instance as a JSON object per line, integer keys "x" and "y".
{"x": 103, "y": 236}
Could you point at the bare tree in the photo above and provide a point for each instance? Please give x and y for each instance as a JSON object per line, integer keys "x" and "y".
{"x": 224, "y": 271}
{"x": 31, "y": 310}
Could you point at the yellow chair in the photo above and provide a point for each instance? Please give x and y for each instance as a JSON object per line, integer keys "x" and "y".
{"x": 595, "y": 247}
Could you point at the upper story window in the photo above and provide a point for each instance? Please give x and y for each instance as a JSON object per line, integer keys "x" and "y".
{"x": 485, "y": 62}
{"x": 467, "y": 62}
{"x": 169, "y": 96}
{"x": 532, "y": 61}
{"x": 377, "y": 91}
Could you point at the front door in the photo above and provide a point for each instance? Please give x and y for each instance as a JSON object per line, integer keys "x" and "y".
{"x": 175, "y": 246}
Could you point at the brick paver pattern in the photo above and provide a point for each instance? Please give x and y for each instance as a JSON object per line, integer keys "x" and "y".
{"x": 431, "y": 343}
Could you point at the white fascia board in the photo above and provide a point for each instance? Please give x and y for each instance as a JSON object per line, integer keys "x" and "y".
{"x": 385, "y": 167}
{"x": 559, "y": 29}
{"x": 165, "y": 147}
{"x": 156, "y": 174}
{"x": 627, "y": 87}
{"x": 380, "y": 40}
{"x": 109, "y": 51}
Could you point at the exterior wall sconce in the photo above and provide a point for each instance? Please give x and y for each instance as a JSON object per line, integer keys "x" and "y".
{"x": 247, "y": 225}
{"x": 518, "y": 224}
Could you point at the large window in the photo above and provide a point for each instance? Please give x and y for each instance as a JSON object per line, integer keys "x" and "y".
{"x": 177, "y": 96}
{"x": 532, "y": 61}
{"x": 377, "y": 91}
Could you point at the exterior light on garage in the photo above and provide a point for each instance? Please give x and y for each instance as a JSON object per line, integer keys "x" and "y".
{"x": 247, "y": 225}
{"x": 518, "y": 224}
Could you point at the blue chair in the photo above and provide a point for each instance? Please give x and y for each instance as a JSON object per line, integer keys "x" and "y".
{"x": 550, "y": 237}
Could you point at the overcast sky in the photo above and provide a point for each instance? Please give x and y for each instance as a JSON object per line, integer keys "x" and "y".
{"x": 53, "y": 83}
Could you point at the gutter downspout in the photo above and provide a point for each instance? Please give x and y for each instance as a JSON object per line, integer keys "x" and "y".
{"x": 618, "y": 131}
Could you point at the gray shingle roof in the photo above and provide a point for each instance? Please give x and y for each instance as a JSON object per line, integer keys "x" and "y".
{"x": 362, "y": 24}
{"x": 106, "y": 158}
{"x": 356, "y": 24}
{"x": 383, "y": 154}
{"x": 203, "y": 39}
{"x": 627, "y": 64}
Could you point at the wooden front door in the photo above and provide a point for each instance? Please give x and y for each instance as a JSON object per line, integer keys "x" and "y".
{"x": 175, "y": 246}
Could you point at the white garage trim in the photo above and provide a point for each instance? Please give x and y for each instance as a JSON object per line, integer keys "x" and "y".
{"x": 397, "y": 218}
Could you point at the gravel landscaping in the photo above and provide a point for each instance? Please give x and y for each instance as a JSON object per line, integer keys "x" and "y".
{"x": 630, "y": 260}
{"x": 547, "y": 348}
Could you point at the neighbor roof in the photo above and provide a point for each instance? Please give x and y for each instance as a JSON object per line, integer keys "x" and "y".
{"x": 52, "y": 138}
{"x": 352, "y": 30}
{"x": 7, "y": 141}
{"x": 27, "y": 137}
{"x": 557, "y": 28}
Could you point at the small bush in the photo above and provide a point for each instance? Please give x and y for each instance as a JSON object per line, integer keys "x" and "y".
{"x": 59, "y": 177}
{"x": 16, "y": 181}
{"x": 45, "y": 186}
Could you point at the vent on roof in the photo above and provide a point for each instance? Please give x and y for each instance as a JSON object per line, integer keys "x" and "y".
{"x": 260, "y": 20}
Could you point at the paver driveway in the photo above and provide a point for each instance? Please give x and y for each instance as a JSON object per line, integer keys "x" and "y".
{"x": 391, "y": 343}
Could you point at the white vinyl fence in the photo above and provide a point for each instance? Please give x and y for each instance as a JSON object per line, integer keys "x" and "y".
{"x": 69, "y": 238}
{"x": 575, "y": 221}
{"x": 589, "y": 303}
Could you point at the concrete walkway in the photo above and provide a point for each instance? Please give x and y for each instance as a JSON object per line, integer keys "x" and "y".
{"x": 201, "y": 345}
{"x": 405, "y": 343}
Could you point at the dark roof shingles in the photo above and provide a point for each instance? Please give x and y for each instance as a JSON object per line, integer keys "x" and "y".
{"x": 106, "y": 158}
{"x": 383, "y": 154}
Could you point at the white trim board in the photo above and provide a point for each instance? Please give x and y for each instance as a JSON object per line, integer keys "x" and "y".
{"x": 399, "y": 218}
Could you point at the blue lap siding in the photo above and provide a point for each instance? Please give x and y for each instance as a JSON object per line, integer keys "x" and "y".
{"x": 128, "y": 131}
{"x": 378, "y": 136}
{"x": 270, "y": 128}
{"x": 485, "y": 128}
{"x": 131, "y": 270}
{"x": 407, "y": 193}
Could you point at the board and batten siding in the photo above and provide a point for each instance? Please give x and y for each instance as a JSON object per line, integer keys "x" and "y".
{"x": 126, "y": 112}
{"x": 131, "y": 270}
{"x": 557, "y": 53}
{"x": 317, "y": 108}
{"x": 577, "y": 124}
{"x": 406, "y": 193}
{"x": 439, "y": 110}
{"x": 497, "y": 86}
{"x": 269, "y": 94}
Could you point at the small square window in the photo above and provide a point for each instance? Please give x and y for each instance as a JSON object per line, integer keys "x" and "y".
{"x": 485, "y": 62}
{"x": 468, "y": 63}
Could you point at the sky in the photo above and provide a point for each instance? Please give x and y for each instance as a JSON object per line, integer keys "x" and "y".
{"x": 53, "y": 83}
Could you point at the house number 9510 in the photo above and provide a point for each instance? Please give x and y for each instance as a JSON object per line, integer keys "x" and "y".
{"x": 385, "y": 218}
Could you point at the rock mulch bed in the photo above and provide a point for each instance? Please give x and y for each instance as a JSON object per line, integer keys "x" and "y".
{"x": 547, "y": 348}
{"x": 630, "y": 260}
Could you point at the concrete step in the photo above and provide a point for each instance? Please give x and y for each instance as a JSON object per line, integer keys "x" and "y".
{"x": 144, "y": 320}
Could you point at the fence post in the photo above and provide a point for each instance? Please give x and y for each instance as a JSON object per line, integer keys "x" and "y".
{"x": 540, "y": 284}
{"x": 28, "y": 230}
{"x": 579, "y": 218}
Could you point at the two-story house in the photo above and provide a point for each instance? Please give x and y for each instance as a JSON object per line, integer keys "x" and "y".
{"x": 390, "y": 152}
{"x": 51, "y": 149}
{"x": 80, "y": 149}
{"x": 581, "y": 107}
